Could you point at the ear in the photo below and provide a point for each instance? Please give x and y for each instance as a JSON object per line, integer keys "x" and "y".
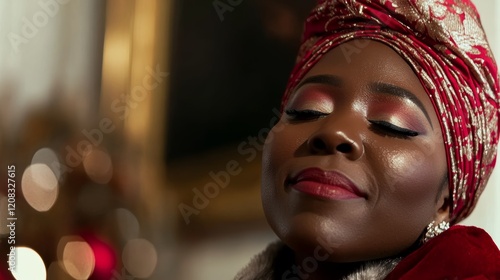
{"x": 443, "y": 206}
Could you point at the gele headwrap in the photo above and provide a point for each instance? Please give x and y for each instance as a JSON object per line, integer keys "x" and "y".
{"x": 444, "y": 43}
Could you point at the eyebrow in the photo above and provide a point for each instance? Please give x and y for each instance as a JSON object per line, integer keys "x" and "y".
{"x": 331, "y": 80}
{"x": 402, "y": 93}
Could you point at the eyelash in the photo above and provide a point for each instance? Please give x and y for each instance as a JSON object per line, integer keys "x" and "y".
{"x": 379, "y": 126}
{"x": 304, "y": 115}
{"x": 393, "y": 130}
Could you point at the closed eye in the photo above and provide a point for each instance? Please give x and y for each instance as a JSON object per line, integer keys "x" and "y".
{"x": 304, "y": 115}
{"x": 389, "y": 129}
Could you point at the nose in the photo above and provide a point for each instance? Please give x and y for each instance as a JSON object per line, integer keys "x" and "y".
{"x": 337, "y": 136}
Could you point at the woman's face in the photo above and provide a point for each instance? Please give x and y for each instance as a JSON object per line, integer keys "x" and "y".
{"x": 356, "y": 164}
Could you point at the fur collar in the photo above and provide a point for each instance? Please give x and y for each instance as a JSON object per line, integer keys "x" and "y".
{"x": 263, "y": 266}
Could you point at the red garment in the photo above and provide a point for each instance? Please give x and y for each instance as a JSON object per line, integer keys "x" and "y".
{"x": 443, "y": 41}
{"x": 461, "y": 252}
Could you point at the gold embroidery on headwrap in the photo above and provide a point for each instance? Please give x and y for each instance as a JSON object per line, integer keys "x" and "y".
{"x": 467, "y": 34}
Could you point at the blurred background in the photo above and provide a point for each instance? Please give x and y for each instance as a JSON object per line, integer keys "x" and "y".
{"x": 132, "y": 131}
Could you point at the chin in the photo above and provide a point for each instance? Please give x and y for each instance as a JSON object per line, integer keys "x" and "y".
{"x": 309, "y": 235}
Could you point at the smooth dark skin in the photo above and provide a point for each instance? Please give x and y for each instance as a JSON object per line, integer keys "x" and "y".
{"x": 404, "y": 177}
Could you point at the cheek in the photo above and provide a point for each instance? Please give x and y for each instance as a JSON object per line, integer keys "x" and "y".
{"x": 410, "y": 168}
{"x": 408, "y": 179}
{"x": 282, "y": 143}
{"x": 412, "y": 180}
{"x": 279, "y": 153}
{"x": 276, "y": 151}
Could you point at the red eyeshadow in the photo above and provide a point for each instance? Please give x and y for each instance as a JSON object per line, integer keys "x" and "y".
{"x": 398, "y": 113}
{"x": 311, "y": 97}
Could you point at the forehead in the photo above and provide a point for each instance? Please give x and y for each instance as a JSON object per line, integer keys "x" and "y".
{"x": 360, "y": 62}
{"x": 367, "y": 60}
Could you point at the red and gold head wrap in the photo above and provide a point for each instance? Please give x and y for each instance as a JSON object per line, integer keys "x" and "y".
{"x": 444, "y": 43}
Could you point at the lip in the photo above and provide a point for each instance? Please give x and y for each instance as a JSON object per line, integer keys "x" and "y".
{"x": 330, "y": 185}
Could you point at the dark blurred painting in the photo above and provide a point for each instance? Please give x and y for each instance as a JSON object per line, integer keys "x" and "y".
{"x": 230, "y": 64}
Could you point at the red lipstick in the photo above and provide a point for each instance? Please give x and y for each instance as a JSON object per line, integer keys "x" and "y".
{"x": 325, "y": 184}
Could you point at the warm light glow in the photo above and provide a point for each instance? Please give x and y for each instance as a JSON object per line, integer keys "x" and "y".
{"x": 50, "y": 158}
{"x": 98, "y": 166}
{"x": 62, "y": 245}
{"x": 82, "y": 258}
{"x": 29, "y": 265}
{"x": 139, "y": 258}
{"x": 116, "y": 55}
{"x": 127, "y": 223}
{"x": 78, "y": 259}
{"x": 40, "y": 187}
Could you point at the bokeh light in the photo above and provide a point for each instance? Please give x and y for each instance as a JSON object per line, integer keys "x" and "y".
{"x": 62, "y": 244}
{"x": 139, "y": 258}
{"x": 29, "y": 265}
{"x": 128, "y": 224}
{"x": 98, "y": 166}
{"x": 105, "y": 258}
{"x": 40, "y": 186}
{"x": 50, "y": 158}
{"x": 78, "y": 259}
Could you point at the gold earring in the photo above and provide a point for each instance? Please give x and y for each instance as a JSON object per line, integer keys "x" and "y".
{"x": 434, "y": 230}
